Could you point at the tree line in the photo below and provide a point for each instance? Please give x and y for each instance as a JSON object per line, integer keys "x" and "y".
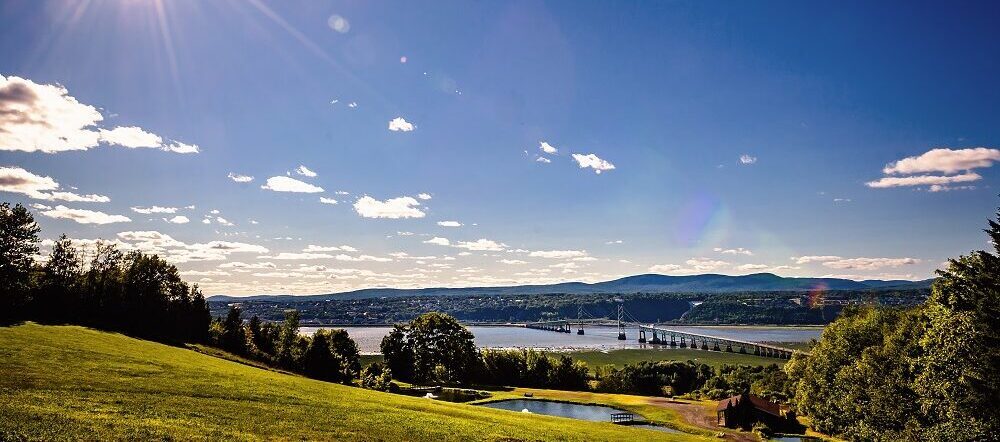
{"x": 103, "y": 287}
{"x": 328, "y": 355}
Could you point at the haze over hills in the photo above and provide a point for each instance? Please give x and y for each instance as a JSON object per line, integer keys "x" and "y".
{"x": 706, "y": 283}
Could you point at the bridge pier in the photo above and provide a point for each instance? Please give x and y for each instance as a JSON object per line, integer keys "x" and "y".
{"x": 673, "y": 342}
{"x": 642, "y": 336}
{"x": 729, "y": 347}
{"x": 704, "y": 344}
{"x": 716, "y": 347}
{"x": 683, "y": 344}
{"x": 756, "y": 350}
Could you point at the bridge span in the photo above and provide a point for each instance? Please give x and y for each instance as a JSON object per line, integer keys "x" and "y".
{"x": 676, "y": 338}
{"x": 655, "y": 335}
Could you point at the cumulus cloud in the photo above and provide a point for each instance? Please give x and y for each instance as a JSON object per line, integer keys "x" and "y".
{"x": 18, "y": 180}
{"x": 297, "y": 256}
{"x": 513, "y": 261}
{"x": 45, "y": 118}
{"x": 438, "y": 241}
{"x": 558, "y": 254}
{"x": 393, "y": 208}
{"x": 179, "y": 219}
{"x": 592, "y": 161}
{"x": 240, "y": 178}
{"x": 749, "y": 267}
{"x": 869, "y": 263}
{"x": 481, "y": 245}
{"x": 130, "y": 136}
{"x": 948, "y": 162}
{"x": 548, "y": 148}
{"x": 945, "y": 160}
{"x": 399, "y": 124}
{"x": 665, "y": 268}
{"x": 543, "y": 160}
{"x": 287, "y": 184}
{"x": 814, "y": 258}
{"x": 326, "y": 200}
{"x": 304, "y": 171}
{"x": 154, "y": 209}
{"x": 923, "y": 180}
{"x": 314, "y": 248}
{"x": 83, "y": 216}
{"x": 736, "y": 251}
{"x": 747, "y": 159}
{"x": 449, "y": 224}
{"x": 424, "y": 196}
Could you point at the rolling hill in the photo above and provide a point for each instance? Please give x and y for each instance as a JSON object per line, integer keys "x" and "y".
{"x": 74, "y": 383}
{"x": 707, "y": 283}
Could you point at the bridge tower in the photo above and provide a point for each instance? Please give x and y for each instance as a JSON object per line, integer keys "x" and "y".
{"x": 621, "y": 323}
{"x": 579, "y": 318}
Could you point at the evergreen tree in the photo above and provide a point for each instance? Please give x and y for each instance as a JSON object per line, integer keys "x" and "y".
{"x": 18, "y": 246}
{"x": 56, "y": 297}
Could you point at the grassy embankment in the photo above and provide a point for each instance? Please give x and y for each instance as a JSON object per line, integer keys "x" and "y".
{"x": 65, "y": 382}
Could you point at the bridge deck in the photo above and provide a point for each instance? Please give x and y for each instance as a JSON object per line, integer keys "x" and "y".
{"x": 716, "y": 338}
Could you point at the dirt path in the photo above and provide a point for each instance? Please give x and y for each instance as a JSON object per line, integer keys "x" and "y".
{"x": 695, "y": 414}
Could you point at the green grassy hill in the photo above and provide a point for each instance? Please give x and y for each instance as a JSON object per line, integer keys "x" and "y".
{"x": 64, "y": 382}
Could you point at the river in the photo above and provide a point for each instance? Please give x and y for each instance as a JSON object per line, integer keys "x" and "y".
{"x": 595, "y": 338}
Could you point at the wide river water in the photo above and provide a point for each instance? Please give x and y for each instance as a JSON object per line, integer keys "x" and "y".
{"x": 596, "y": 338}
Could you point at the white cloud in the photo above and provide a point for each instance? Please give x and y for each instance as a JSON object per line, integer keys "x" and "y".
{"x": 223, "y": 221}
{"x": 449, "y": 224}
{"x": 393, "y": 208}
{"x": 45, "y": 118}
{"x": 513, "y": 261}
{"x": 297, "y": 256}
{"x": 592, "y": 161}
{"x": 240, "y": 178}
{"x": 814, "y": 258}
{"x": 752, "y": 267}
{"x": 178, "y": 147}
{"x": 399, "y": 124}
{"x": 705, "y": 264}
{"x": 206, "y": 221}
{"x": 617, "y": 241}
{"x": 438, "y": 241}
{"x": 154, "y": 209}
{"x": 548, "y": 148}
{"x": 481, "y": 245}
{"x": 18, "y": 180}
{"x": 923, "y": 180}
{"x": 314, "y": 248}
{"x": 424, "y": 196}
{"x": 343, "y": 257}
{"x": 287, "y": 184}
{"x": 179, "y": 219}
{"x": 664, "y": 268}
{"x": 543, "y": 160}
{"x": 941, "y": 160}
{"x": 84, "y": 216}
{"x": 869, "y": 263}
{"x": 736, "y": 251}
{"x": 131, "y": 137}
{"x": 945, "y": 161}
{"x": 326, "y": 200}
{"x": 558, "y": 254}
{"x": 747, "y": 159}
{"x": 304, "y": 171}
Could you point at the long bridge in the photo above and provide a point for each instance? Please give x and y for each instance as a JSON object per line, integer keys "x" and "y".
{"x": 651, "y": 334}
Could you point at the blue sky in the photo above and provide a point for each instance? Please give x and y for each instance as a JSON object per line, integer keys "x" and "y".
{"x": 840, "y": 139}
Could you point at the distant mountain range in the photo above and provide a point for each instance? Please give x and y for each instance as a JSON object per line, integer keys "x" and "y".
{"x": 649, "y": 283}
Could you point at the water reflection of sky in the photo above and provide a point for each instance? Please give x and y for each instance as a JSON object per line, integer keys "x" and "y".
{"x": 601, "y": 338}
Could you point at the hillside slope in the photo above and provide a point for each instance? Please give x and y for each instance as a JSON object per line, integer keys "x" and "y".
{"x": 65, "y": 382}
{"x": 649, "y": 283}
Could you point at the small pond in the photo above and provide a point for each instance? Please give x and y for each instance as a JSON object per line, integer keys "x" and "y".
{"x": 574, "y": 411}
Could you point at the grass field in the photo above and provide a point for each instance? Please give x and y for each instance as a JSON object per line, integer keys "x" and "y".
{"x": 619, "y": 358}
{"x": 64, "y": 382}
